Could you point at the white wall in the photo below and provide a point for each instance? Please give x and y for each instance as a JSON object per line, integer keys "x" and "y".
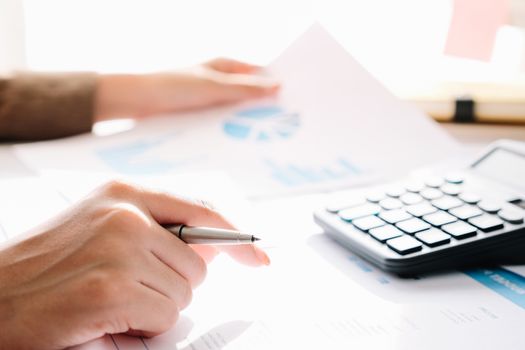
{"x": 397, "y": 41}
{"x": 12, "y": 35}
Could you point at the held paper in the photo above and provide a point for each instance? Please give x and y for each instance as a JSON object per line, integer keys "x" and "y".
{"x": 332, "y": 125}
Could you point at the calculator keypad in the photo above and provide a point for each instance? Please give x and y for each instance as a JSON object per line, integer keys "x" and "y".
{"x": 431, "y": 213}
{"x": 486, "y": 223}
{"x": 460, "y": 230}
{"x": 466, "y": 212}
{"x": 390, "y": 204}
{"x": 356, "y": 212}
{"x": 511, "y": 216}
{"x": 412, "y": 226}
{"x": 431, "y": 193}
{"x": 368, "y": 222}
{"x": 421, "y": 209}
{"x": 490, "y": 207}
{"x": 447, "y": 203}
{"x": 404, "y": 245}
{"x": 384, "y": 233}
{"x": 439, "y": 218}
{"x": 433, "y": 237}
{"x": 393, "y": 216}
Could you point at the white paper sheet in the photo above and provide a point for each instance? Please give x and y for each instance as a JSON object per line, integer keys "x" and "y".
{"x": 332, "y": 125}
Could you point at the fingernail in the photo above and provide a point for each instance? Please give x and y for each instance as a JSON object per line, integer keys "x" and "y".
{"x": 273, "y": 89}
{"x": 262, "y": 256}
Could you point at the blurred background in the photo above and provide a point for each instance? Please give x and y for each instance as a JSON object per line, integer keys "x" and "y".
{"x": 411, "y": 46}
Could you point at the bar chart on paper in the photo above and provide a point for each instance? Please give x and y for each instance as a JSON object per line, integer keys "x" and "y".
{"x": 262, "y": 124}
{"x": 264, "y": 147}
{"x": 140, "y": 156}
{"x": 293, "y": 174}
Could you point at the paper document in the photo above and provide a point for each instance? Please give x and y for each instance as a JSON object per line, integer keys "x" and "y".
{"x": 303, "y": 301}
{"x": 332, "y": 125}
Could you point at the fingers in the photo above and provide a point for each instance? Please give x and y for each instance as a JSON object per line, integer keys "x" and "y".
{"x": 207, "y": 252}
{"x": 178, "y": 256}
{"x": 247, "y": 254}
{"x": 163, "y": 279}
{"x": 237, "y": 87}
{"x": 236, "y": 81}
{"x": 149, "y": 313}
{"x": 166, "y": 208}
{"x": 226, "y": 65}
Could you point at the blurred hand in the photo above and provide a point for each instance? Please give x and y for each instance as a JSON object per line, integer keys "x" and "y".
{"x": 106, "y": 265}
{"x": 216, "y": 82}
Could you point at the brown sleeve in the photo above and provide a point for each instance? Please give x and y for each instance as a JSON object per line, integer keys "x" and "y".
{"x": 36, "y": 106}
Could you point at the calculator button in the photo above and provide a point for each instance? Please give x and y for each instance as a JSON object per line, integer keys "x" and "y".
{"x": 489, "y": 206}
{"x": 411, "y": 198}
{"x": 415, "y": 186}
{"x": 466, "y": 212}
{"x": 447, "y": 203}
{"x": 421, "y": 209}
{"x": 469, "y": 198}
{"x": 395, "y": 192}
{"x": 454, "y": 178}
{"x": 433, "y": 237}
{"x": 368, "y": 222}
{"x": 451, "y": 189}
{"x": 412, "y": 226}
{"x": 460, "y": 230}
{"x": 434, "y": 181}
{"x": 390, "y": 203}
{"x": 512, "y": 216}
{"x": 359, "y": 211}
{"x": 375, "y": 197}
{"x": 404, "y": 245}
{"x": 393, "y": 216}
{"x": 431, "y": 193}
{"x": 343, "y": 203}
{"x": 440, "y": 218}
{"x": 384, "y": 233}
{"x": 486, "y": 223}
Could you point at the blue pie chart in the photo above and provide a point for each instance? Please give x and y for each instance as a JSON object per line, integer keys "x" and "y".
{"x": 262, "y": 124}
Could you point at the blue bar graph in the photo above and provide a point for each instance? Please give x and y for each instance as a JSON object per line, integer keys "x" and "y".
{"x": 292, "y": 174}
{"x": 125, "y": 158}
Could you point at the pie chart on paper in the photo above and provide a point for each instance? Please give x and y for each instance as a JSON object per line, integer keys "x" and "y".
{"x": 262, "y": 124}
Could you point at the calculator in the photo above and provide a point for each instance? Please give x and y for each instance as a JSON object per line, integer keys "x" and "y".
{"x": 468, "y": 217}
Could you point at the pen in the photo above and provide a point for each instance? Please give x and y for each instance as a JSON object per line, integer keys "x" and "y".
{"x": 207, "y": 235}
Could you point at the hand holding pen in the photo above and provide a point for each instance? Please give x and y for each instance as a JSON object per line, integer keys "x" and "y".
{"x": 107, "y": 265}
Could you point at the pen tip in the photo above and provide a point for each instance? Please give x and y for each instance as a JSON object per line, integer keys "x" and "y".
{"x": 255, "y": 239}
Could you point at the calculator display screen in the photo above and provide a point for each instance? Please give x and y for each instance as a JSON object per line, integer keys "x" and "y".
{"x": 503, "y": 165}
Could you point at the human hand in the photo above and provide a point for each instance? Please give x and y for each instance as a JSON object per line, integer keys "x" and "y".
{"x": 216, "y": 82}
{"x": 105, "y": 265}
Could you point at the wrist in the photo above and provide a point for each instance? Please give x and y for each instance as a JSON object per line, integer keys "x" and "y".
{"x": 117, "y": 95}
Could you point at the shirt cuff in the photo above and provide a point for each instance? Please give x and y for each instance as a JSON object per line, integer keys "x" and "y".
{"x": 37, "y": 106}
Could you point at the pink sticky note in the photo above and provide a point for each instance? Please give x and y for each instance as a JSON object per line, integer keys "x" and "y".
{"x": 473, "y": 28}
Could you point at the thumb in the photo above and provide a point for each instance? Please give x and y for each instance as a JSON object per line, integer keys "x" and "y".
{"x": 237, "y": 87}
{"x": 227, "y": 65}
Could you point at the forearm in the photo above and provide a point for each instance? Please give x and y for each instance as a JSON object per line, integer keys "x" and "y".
{"x": 42, "y": 106}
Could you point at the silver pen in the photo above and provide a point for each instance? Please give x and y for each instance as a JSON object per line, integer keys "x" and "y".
{"x": 207, "y": 235}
